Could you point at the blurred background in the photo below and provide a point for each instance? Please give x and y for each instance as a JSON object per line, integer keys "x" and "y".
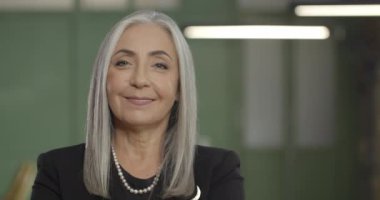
{"x": 302, "y": 114}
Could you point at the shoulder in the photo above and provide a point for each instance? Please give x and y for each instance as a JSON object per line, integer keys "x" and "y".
{"x": 61, "y": 156}
{"x": 218, "y": 171}
{"x": 215, "y": 156}
{"x": 74, "y": 150}
{"x": 214, "y": 165}
{"x": 64, "y": 158}
{"x": 60, "y": 173}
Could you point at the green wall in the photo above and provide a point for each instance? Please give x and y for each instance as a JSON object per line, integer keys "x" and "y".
{"x": 45, "y": 65}
{"x": 35, "y": 87}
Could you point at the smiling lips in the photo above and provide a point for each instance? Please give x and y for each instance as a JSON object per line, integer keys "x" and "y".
{"x": 139, "y": 101}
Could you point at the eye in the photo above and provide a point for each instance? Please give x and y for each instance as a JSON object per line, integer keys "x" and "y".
{"x": 161, "y": 66}
{"x": 121, "y": 63}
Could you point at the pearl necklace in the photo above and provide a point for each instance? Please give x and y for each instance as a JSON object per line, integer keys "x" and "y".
{"x": 129, "y": 188}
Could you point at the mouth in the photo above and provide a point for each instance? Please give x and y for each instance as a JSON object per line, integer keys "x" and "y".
{"x": 139, "y": 101}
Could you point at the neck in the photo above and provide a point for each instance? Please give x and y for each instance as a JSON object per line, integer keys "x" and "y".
{"x": 139, "y": 150}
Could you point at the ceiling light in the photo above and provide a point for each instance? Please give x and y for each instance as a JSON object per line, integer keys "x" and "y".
{"x": 257, "y": 32}
{"x": 338, "y": 10}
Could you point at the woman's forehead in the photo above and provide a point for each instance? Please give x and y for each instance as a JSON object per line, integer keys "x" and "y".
{"x": 146, "y": 37}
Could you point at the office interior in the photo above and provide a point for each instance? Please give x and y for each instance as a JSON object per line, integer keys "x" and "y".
{"x": 302, "y": 114}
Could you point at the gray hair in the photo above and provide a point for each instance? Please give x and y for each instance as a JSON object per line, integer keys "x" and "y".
{"x": 180, "y": 139}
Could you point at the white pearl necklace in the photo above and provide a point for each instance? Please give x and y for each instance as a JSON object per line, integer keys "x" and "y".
{"x": 129, "y": 188}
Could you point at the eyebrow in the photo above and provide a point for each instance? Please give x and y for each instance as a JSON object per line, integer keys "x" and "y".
{"x": 159, "y": 52}
{"x": 152, "y": 53}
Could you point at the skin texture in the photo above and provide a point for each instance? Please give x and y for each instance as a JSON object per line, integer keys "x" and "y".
{"x": 142, "y": 86}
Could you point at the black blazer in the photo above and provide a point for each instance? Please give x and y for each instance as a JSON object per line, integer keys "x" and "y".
{"x": 60, "y": 176}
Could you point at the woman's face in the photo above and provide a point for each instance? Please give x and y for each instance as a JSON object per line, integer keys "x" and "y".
{"x": 142, "y": 80}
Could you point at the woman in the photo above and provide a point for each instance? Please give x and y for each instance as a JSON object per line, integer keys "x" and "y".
{"x": 141, "y": 126}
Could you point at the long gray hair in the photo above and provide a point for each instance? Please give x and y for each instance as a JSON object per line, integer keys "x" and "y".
{"x": 177, "y": 170}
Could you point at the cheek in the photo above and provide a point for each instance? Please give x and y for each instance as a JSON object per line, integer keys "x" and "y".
{"x": 175, "y": 86}
{"x": 172, "y": 88}
{"x": 113, "y": 88}
{"x": 113, "y": 83}
{"x": 166, "y": 88}
{"x": 109, "y": 88}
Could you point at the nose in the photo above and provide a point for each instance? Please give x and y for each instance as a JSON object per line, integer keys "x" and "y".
{"x": 139, "y": 78}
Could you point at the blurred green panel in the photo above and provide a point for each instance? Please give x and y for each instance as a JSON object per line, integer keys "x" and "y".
{"x": 314, "y": 175}
{"x": 264, "y": 174}
{"x": 214, "y": 11}
{"x": 34, "y": 88}
{"x": 348, "y": 126}
{"x": 212, "y": 58}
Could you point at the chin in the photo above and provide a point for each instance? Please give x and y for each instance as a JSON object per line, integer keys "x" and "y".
{"x": 140, "y": 121}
